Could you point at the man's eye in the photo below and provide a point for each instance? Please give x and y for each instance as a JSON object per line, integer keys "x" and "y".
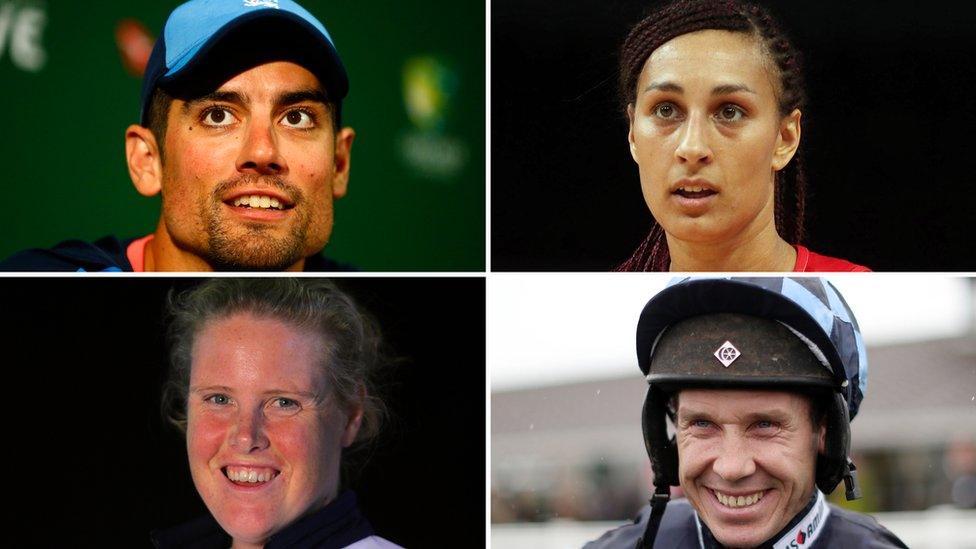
{"x": 765, "y": 425}
{"x": 701, "y": 423}
{"x": 218, "y": 117}
{"x": 730, "y": 113}
{"x": 285, "y": 404}
{"x": 299, "y": 119}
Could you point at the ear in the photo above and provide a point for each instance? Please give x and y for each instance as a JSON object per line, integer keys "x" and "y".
{"x": 142, "y": 155}
{"x": 354, "y": 419}
{"x": 788, "y": 140}
{"x": 341, "y": 160}
{"x": 630, "y": 133}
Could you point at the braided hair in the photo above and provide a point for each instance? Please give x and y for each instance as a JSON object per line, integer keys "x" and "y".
{"x": 687, "y": 16}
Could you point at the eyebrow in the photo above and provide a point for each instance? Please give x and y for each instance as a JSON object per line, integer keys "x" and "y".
{"x": 240, "y": 98}
{"x": 224, "y": 389}
{"x": 692, "y": 414}
{"x": 683, "y": 414}
{"x": 301, "y": 96}
{"x": 724, "y": 89}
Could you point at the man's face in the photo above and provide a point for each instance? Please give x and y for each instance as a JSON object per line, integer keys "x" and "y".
{"x": 264, "y": 434}
{"x": 747, "y": 460}
{"x": 251, "y": 170}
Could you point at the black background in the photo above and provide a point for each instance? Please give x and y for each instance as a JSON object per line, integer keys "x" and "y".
{"x": 88, "y": 461}
{"x": 888, "y": 136}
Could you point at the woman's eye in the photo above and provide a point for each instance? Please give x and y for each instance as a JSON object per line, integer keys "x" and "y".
{"x": 666, "y": 111}
{"x": 730, "y": 113}
{"x": 218, "y": 117}
{"x": 299, "y": 119}
{"x": 220, "y": 400}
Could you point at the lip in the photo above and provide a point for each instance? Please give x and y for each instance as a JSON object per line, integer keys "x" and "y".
{"x": 222, "y": 472}
{"x": 696, "y": 204}
{"x": 257, "y": 214}
{"x": 753, "y": 511}
{"x": 260, "y": 191}
{"x": 692, "y": 182}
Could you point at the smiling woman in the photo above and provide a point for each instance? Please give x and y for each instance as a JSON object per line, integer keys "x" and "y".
{"x": 273, "y": 381}
{"x": 714, "y": 96}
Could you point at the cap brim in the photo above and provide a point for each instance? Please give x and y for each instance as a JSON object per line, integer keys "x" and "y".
{"x": 716, "y": 295}
{"x": 252, "y": 40}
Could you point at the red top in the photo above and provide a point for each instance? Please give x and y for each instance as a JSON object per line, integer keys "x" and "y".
{"x": 809, "y": 262}
{"x": 136, "y": 253}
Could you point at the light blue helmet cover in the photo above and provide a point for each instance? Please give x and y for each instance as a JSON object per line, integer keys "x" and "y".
{"x": 811, "y": 307}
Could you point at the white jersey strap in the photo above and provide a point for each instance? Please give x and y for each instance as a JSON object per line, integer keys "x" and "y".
{"x": 809, "y": 528}
{"x": 701, "y": 541}
{"x": 373, "y": 542}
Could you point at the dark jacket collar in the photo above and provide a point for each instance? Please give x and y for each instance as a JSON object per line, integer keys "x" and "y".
{"x": 336, "y": 525}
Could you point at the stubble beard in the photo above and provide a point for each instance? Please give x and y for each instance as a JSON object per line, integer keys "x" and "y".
{"x": 254, "y": 246}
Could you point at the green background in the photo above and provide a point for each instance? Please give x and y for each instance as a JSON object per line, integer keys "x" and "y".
{"x": 62, "y": 130}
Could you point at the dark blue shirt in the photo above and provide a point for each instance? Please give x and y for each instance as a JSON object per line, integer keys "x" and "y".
{"x": 679, "y": 530}
{"x": 335, "y": 526}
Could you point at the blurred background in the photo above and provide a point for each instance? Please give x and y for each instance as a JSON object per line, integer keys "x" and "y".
{"x": 567, "y": 455}
{"x": 71, "y": 75}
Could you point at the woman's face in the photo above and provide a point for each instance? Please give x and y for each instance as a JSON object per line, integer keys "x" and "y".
{"x": 264, "y": 434}
{"x": 707, "y": 135}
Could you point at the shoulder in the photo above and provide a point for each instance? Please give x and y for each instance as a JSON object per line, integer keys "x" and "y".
{"x": 202, "y": 532}
{"x": 320, "y": 263}
{"x": 373, "y": 542}
{"x": 851, "y": 530}
{"x": 677, "y": 529}
{"x": 105, "y": 254}
{"x": 809, "y": 262}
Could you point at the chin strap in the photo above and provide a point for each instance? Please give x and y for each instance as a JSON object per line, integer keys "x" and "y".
{"x": 660, "y": 499}
{"x": 852, "y": 489}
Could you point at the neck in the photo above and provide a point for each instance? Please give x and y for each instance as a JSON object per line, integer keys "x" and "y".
{"x": 163, "y": 254}
{"x": 757, "y": 248}
{"x": 810, "y": 520}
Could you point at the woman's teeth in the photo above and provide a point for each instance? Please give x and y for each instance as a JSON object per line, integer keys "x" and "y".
{"x": 246, "y": 474}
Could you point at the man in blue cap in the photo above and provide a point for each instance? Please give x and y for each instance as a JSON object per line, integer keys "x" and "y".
{"x": 241, "y": 135}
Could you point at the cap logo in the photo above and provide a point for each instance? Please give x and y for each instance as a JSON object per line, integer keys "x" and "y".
{"x": 727, "y": 353}
{"x": 261, "y": 3}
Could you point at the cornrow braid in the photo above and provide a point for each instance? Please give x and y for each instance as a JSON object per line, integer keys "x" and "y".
{"x": 687, "y": 16}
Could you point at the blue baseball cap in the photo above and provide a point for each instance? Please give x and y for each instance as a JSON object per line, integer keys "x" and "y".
{"x": 206, "y": 42}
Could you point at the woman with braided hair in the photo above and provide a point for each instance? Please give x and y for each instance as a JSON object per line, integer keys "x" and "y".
{"x": 714, "y": 96}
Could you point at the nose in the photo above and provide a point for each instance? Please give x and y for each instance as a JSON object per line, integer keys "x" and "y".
{"x": 693, "y": 148}
{"x": 247, "y": 434}
{"x": 735, "y": 460}
{"x": 260, "y": 153}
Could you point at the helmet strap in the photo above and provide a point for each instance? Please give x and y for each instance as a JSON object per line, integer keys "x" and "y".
{"x": 851, "y": 488}
{"x": 660, "y": 499}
